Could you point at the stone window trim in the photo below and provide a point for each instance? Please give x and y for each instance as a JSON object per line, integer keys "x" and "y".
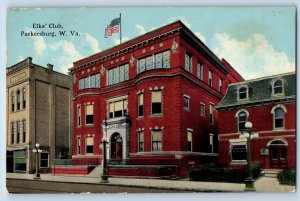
{"x": 116, "y": 99}
{"x": 186, "y": 105}
{"x": 237, "y": 142}
{"x": 79, "y": 118}
{"x": 284, "y": 142}
{"x": 273, "y": 112}
{"x": 237, "y": 117}
{"x": 188, "y": 65}
{"x": 240, "y": 92}
{"x": 86, "y": 113}
{"x": 140, "y": 105}
{"x": 159, "y": 143}
{"x": 189, "y": 139}
{"x": 211, "y": 113}
{"x": 202, "y": 112}
{"x": 210, "y": 78}
{"x": 86, "y": 143}
{"x": 159, "y": 60}
{"x": 157, "y": 89}
{"x": 200, "y": 69}
{"x": 281, "y": 86}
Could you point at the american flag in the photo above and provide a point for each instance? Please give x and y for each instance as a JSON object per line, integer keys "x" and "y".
{"x": 113, "y": 27}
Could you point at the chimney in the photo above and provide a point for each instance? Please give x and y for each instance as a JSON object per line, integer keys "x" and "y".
{"x": 50, "y": 67}
{"x": 29, "y": 60}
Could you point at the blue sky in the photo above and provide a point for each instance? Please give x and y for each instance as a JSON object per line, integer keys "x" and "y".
{"x": 257, "y": 41}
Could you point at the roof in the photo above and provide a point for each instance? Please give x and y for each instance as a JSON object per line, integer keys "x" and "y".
{"x": 260, "y": 91}
{"x": 141, "y": 40}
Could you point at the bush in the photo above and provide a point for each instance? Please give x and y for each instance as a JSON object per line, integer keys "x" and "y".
{"x": 287, "y": 177}
{"x": 217, "y": 174}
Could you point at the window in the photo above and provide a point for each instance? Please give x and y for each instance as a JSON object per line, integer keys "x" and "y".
{"x": 211, "y": 113}
{"x": 156, "y": 61}
{"x": 210, "y": 80}
{"x": 189, "y": 140}
{"x": 140, "y": 105}
{"x": 239, "y": 152}
{"x": 243, "y": 93}
{"x": 186, "y": 102}
{"x": 12, "y": 102}
{"x": 242, "y": 119}
{"x": 18, "y": 100}
{"x": 157, "y": 140}
{"x": 141, "y": 141}
{"x": 118, "y": 74}
{"x": 278, "y": 89}
{"x": 44, "y": 160}
{"x": 79, "y": 116}
{"x": 18, "y": 131}
{"x": 92, "y": 81}
{"x": 24, "y": 98}
{"x": 24, "y": 131}
{"x": 220, "y": 85}
{"x": 156, "y": 101}
{"x": 118, "y": 108}
{"x": 188, "y": 62}
{"x": 78, "y": 145}
{"x": 200, "y": 71}
{"x": 202, "y": 109}
{"x": 12, "y": 133}
{"x": 279, "y": 118}
{"x": 89, "y": 145}
{"x": 89, "y": 114}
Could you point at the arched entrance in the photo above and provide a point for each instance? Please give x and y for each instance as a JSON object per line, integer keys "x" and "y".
{"x": 278, "y": 153}
{"x": 116, "y": 148}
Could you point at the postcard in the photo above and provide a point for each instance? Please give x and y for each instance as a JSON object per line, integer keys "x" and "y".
{"x": 151, "y": 100}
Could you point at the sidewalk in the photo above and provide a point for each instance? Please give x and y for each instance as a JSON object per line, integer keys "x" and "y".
{"x": 264, "y": 184}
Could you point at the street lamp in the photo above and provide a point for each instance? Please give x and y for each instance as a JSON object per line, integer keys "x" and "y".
{"x": 104, "y": 176}
{"x": 249, "y": 135}
{"x": 36, "y": 150}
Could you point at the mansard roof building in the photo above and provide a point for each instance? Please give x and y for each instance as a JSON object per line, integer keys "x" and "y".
{"x": 270, "y": 104}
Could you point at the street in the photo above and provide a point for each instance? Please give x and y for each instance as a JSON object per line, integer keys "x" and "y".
{"x": 40, "y": 186}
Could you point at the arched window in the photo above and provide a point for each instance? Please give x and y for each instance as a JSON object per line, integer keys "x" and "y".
{"x": 277, "y": 87}
{"x": 242, "y": 119}
{"x": 242, "y": 93}
{"x": 279, "y": 118}
{"x": 24, "y": 98}
{"x": 18, "y": 100}
{"x": 12, "y": 102}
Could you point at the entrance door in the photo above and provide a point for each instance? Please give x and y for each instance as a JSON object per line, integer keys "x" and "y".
{"x": 278, "y": 157}
{"x": 116, "y": 146}
{"x": 9, "y": 161}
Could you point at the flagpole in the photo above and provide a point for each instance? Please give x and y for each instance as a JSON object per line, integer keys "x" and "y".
{"x": 120, "y": 30}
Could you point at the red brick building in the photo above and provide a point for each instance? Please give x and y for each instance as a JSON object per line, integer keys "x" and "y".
{"x": 158, "y": 92}
{"x": 269, "y": 103}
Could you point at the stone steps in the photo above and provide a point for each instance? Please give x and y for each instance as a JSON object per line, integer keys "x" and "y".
{"x": 272, "y": 173}
{"x": 96, "y": 172}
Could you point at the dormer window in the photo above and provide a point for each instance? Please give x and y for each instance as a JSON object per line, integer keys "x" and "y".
{"x": 278, "y": 87}
{"x": 242, "y": 93}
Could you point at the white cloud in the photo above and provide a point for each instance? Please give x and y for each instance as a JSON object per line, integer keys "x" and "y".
{"x": 92, "y": 42}
{"x": 39, "y": 43}
{"x": 124, "y": 39}
{"x": 253, "y": 57}
{"x": 182, "y": 19}
{"x": 200, "y": 36}
{"x": 141, "y": 29}
{"x": 67, "y": 54}
{"x": 21, "y": 58}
